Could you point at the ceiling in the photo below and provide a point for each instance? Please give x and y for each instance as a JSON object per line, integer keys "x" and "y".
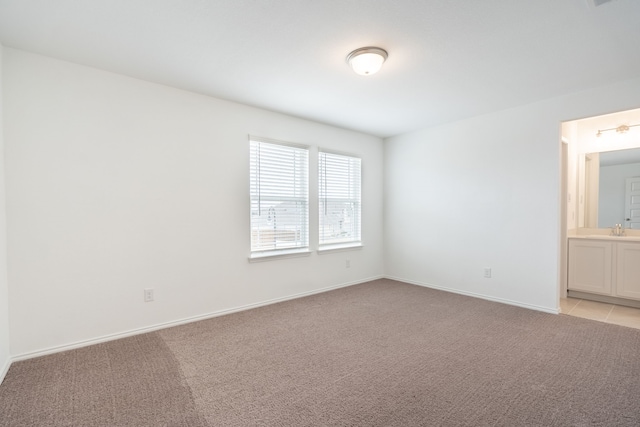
{"x": 448, "y": 60}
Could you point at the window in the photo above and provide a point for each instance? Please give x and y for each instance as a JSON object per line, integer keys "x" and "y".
{"x": 279, "y": 197}
{"x": 339, "y": 199}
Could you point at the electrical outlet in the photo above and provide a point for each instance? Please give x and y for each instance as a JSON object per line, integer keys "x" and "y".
{"x": 148, "y": 295}
{"x": 487, "y": 272}
{"x": 347, "y": 263}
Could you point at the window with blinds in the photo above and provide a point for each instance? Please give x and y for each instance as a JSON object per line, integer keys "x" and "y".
{"x": 339, "y": 198}
{"x": 279, "y": 192}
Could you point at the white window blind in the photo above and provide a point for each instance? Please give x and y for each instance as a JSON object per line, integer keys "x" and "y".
{"x": 339, "y": 198}
{"x": 279, "y": 196}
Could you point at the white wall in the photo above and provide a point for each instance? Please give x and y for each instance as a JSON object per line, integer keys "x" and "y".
{"x": 587, "y": 130}
{"x": 4, "y": 288}
{"x": 485, "y": 192}
{"x": 569, "y": 133}
{"x": 115, "y": 185}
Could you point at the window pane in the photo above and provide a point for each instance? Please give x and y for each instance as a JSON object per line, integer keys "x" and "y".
{"x": 339, "y": 198}
{"x": 279, "y": 196}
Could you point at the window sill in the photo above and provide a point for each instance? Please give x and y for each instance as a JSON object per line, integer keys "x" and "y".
{"x": 272, "y": 255}
{"x": 339, "y": 247}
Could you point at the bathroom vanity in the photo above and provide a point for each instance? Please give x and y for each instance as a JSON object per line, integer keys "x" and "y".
{"x": 605, "y": 268}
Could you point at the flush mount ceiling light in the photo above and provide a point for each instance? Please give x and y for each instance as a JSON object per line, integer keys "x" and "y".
{"x": 367, "y": 60}
{"x": 622, "y": 129}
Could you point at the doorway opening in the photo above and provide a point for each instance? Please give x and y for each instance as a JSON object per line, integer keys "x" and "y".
{"x": 599, "y": 158}
{"x": 600, "y": 223}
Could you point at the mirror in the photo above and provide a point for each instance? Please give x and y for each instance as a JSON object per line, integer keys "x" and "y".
{"x": 612, "y": 189}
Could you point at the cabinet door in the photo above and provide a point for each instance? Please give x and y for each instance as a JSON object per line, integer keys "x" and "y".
{"x": 628, "y": 270}
{"x": 590, "y": 266}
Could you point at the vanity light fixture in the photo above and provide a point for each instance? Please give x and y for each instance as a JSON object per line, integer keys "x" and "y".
{"x": 622, "y": 129}
{"x": 367, "y": 60}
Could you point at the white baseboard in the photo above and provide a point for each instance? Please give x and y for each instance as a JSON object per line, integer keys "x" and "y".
{"x": 4, "y": 370}
{"x": 152, "y": 328}
{"x": 475, "y": 295}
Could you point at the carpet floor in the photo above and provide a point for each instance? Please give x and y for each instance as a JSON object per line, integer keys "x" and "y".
{"x": 382, "y": 353}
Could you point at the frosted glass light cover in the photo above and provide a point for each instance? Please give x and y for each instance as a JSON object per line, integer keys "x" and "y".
{"x": 367, "y": 61}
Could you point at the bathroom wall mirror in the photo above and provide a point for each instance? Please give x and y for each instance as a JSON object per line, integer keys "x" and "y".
{"x": 612, "y": 189}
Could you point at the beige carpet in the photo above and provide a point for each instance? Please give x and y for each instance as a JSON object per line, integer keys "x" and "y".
{"x": 382, "y": 353}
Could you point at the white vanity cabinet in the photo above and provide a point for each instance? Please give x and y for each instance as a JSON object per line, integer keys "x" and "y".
{"x": 628, "y": 270}
{"x": 605, "y": 266}
{"x": 590, "y": 266}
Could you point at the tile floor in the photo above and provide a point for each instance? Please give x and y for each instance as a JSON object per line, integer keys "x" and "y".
{"x": 604, "y": 312}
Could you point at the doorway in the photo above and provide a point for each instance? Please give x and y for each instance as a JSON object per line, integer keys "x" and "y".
{"x": 600, "y": 181}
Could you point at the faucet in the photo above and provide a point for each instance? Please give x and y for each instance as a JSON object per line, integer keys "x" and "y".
{"x": 618, "y": 230}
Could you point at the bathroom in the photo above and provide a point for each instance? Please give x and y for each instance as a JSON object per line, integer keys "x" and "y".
{"x": 601, "y": 217}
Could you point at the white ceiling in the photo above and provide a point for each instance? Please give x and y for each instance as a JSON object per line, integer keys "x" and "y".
{"x": 447, "y": 59}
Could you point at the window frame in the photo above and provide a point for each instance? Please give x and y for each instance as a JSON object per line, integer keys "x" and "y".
{"x": 355, "y": 197}
{"x": 260, "y": 252}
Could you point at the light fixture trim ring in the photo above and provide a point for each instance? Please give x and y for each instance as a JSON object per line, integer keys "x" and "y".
{"x": 369, "y": 49}
{"x": 367, "y": 61}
